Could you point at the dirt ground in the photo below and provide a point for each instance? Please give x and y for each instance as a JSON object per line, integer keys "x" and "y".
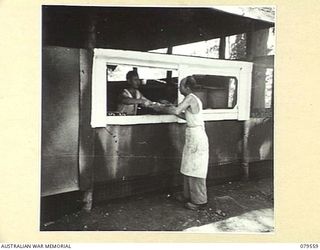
{"x": 160, "y": 212}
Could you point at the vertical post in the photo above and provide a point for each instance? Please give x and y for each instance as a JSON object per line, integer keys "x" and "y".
{"x": 245, "y": 150}
{"x": 169, "y": 73}
{"x": 246, "y": 124}
{"x": 86, "y": 135}
{"x": 92, "y": 33}
{"x": 259, "y": 49}
{"x": 256, "y": 44}
{"x": 249, "y": 50}
{"x": 222, "y": 48}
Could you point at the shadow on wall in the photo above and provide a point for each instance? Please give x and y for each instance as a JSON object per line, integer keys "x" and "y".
{"x": 260, "y": 140}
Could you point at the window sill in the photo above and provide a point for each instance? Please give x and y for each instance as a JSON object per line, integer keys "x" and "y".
{"x": 217, "y": 115}
{"x": 140, "y": 119}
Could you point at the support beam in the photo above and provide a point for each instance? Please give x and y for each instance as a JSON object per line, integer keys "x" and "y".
{"x": 222, "y": 48}
{"x": 86, "y": 133}
{"x": 169, "y": 73}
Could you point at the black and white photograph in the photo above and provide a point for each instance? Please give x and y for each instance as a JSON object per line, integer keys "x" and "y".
{"x": 157, "y": 118}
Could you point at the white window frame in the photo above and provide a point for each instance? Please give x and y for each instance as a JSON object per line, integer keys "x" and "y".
{"x": 185, "y": 65}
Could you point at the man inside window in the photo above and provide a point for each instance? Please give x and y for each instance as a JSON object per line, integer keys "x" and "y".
{"x": 131, "y": 97}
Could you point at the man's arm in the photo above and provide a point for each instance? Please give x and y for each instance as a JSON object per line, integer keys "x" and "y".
{"x": 124, "y": 98}
{"x": 182, "y": 116}
{"x": 147, "y": 102}
{"x": 174, "y": 110}
{"x": 129, "y": 100}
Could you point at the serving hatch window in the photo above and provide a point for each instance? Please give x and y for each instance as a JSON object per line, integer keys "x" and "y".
{"x": 154, "y": 84}
{"x": 224, "y": 87}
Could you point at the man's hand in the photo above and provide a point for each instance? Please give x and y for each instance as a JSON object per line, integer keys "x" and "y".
{"x": 165, "y": 102}
{"x": 157, "y": 106}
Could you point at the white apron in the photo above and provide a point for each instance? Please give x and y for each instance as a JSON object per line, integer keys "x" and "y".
{"x": 195, "y": 156}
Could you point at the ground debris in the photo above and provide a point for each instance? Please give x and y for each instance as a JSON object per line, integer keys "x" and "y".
{"x": 151, "y": 212}
{"x": 229, "y": 198}
{"x": 187, "y": 222}
{"x": 220, "y": 213}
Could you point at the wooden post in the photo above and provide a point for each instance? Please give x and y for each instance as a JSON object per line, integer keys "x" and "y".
{"x": 169, "y": 73}
{"x": 86, "y": 134}
{"x": 222, "y": 48}
{"x": 259, "y": 49}
{"x": 249, "y": 50}
{"x": 256, "y": 45}
{"x": 92, "y": 31}
{"x": 246, "y": 124}
{"x": 245, "y": 150}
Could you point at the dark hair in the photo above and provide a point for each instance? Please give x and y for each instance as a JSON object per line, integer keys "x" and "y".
{"x": 131, "y": 74}
{"x": 191, "y": 82}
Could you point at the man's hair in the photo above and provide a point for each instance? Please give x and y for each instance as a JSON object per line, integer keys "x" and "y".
{"x": 131, "y": 74}
{"x": 191, "y": 83}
